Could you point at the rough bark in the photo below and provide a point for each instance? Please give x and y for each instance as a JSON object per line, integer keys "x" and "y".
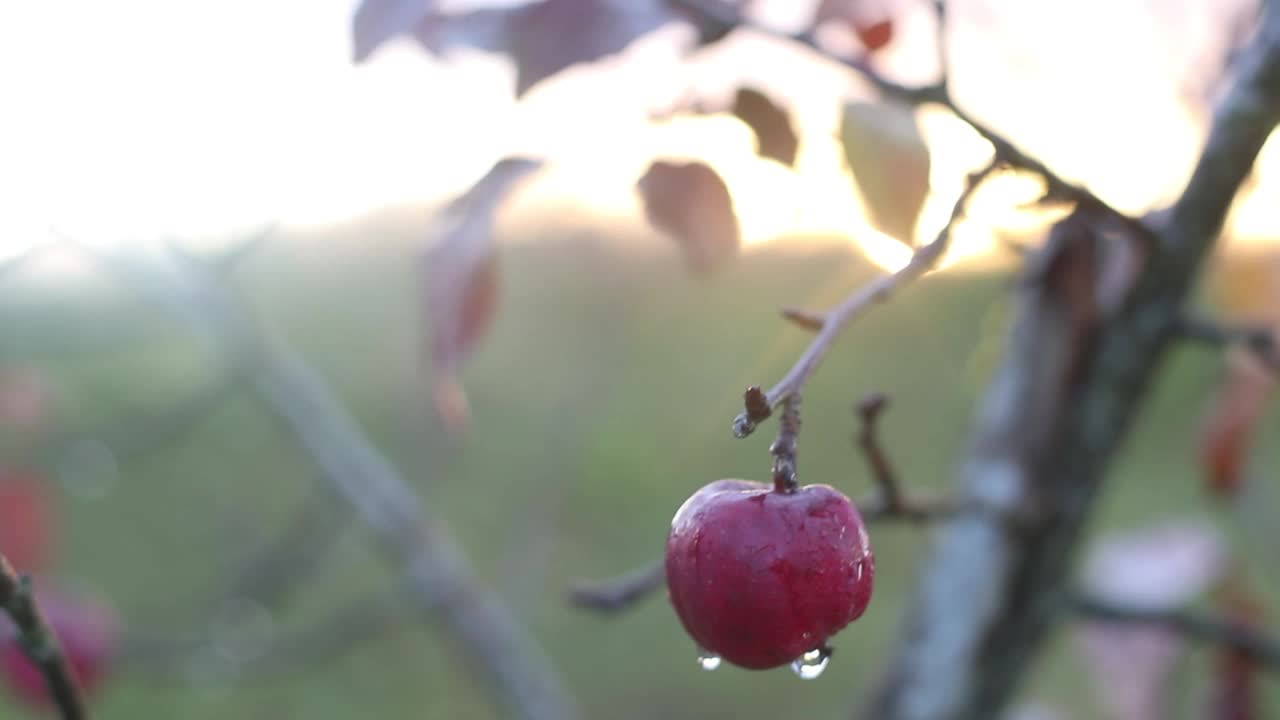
{"x": 1096, "y": 314}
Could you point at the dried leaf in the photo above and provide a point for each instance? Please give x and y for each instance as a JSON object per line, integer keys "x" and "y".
{"x": 541, "y": 38}
{"x": 1226, "y": 434}
{"x": 377, "y": 21}
{"x": 890, "y": 162}
{"x": 775, "y": 137}
{"x": 462, "y": 282}
{"x": 1159, "y": 568}
{"x": 689, "y": 202}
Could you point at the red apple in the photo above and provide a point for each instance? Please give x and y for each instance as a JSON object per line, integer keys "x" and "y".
{"x": 87, "y": 630}
{"x": 762, "y": 577}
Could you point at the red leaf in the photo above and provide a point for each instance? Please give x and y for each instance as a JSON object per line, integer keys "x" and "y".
{"x": 689, "y": 202}
{"x": 889, "y": 161}
{"x": 1227, "y": 432}
{"x": 775, "y": 137}
{"x": 462, "y": 282}
{"x": 869, "y": 20}
{"x": 27, "y": 534}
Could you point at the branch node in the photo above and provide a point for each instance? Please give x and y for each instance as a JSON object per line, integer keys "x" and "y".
{"x": 756, "y": 410}
{"x": 805, "y": 319}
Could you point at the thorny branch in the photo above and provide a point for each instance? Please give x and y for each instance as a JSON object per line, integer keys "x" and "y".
{"x": 40, "y": 643}
{"x": 838, "y": 318}
{"x": 1197, "y": 626}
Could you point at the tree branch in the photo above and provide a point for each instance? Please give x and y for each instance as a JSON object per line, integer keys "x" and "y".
{"x": 838, "y": 318}
{"x": 40, "y": 643}
{"x": 619, "y": 593}
{"x": 1245, "y": 639}
{"x": 1258, "y": 340}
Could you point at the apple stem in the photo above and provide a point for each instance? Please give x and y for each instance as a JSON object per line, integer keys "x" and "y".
{"x": 783, "y": 448}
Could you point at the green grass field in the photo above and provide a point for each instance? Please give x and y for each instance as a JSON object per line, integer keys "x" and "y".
{"x": 601, "y": 399}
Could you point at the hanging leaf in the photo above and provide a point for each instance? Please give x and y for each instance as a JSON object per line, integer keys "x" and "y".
{"x": 689, "y": 202}
{"x": 1158, "y": 568}
{"x": 541, "y": 38}
{"x": 890, "y": 162}
{"x": 775, "y": 137}
{"x": 462, "y": 284}
{"x": 377, "y": 21}
{"x": 1226, "y": 435}
{"x": 27, "y": 520}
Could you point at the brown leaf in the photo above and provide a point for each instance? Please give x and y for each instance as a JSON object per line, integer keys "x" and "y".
{"x": 1226, "y": 434}
{"x": 689, "y": 202}
{"x": 890, "y": 162}
{"x": 1236, "y": 693}
{"x": 775, "y": 137}
{"x": 462, "y": 284}
{"x": 541, "y": 38}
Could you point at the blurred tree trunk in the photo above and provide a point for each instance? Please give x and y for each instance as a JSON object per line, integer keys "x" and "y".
{"x": 1097, "y": 309}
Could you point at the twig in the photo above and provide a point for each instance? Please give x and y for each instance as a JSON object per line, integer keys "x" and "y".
{"x": 1258, "y": 340}
{"x": 838, "y": 318}
{"x": 40, "y": 643}
{"x": 783, "y": 448}
{"x": 618, "y": 593}
{"x": 1257, "y": 646}
{"x": 891, "y": 501}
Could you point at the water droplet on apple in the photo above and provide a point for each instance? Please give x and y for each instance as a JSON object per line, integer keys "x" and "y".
{"x": 811, "y": 664}
{"x": 708, "y": 660}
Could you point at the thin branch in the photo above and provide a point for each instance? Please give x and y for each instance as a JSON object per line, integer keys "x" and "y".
{"x": 937, "y": 93}
{"x": 1259, "y": 340}
{"x": 1204, "y": 628}
{"x": 838, "y": 318}
{"x": 891, "y": 502}
{"x": 621, "y": 592}
{"x": 40, "y": 643}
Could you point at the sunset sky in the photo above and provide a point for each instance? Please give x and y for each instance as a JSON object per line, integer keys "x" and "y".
{"x": 141, "y": 117}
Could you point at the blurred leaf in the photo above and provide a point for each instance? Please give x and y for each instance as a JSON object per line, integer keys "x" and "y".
{"x": 377, "y": 21}
{"x": 462, "y": 283}
{"x": 689, "y": 202}
{"x": 541, "y": 38}
{"x": 775, "y": 137}
{"x": 27, "y": 520}
{"x": 1157, "y": 568}
{"x": 868, "y": 19}
{"x": 889, "y": 161}
{"x": 1226, "y": 435}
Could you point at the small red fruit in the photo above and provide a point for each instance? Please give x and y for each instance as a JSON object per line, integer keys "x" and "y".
{"x": 87, "y": 631}
{"x": 874, "y": 35}
{"x": 27, "y": 520}
{"x": 762, "y": 577}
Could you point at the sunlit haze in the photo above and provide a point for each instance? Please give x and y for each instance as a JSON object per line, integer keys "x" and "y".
{"x": 137, "y": 118}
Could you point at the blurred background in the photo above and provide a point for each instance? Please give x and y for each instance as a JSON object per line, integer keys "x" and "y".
{"x": 136, "y": 470}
